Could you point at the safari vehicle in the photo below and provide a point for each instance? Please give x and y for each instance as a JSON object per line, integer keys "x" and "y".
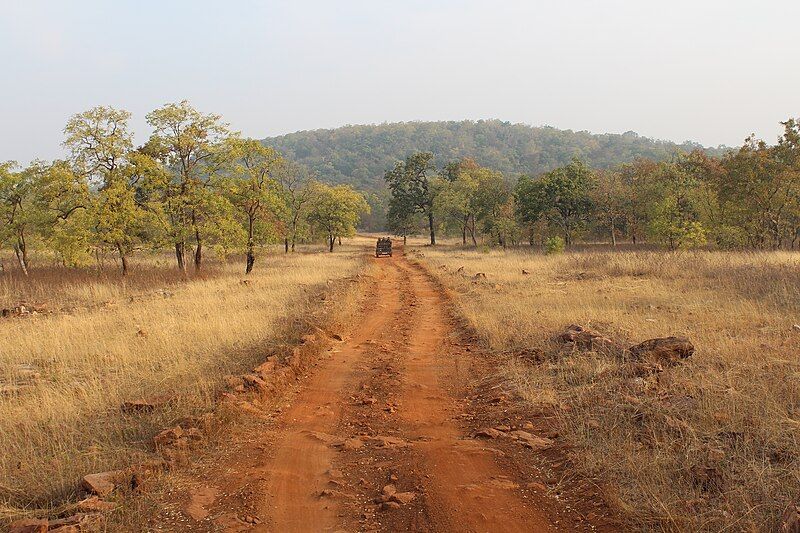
{"x": 384, "y": 247}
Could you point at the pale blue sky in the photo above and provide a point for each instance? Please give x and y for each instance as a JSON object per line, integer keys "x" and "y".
{"x": 705, "y": 70}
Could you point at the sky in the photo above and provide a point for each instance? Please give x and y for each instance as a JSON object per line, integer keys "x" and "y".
{"x": 711, "y": 71}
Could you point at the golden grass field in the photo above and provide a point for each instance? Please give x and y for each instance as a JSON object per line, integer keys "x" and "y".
{"x": 101, "y": 341}
{"x": 711, "y": 445}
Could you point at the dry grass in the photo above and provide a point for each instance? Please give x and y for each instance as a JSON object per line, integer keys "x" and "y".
{"x": 124, "y": 342}
{"x": 712, "y": 445}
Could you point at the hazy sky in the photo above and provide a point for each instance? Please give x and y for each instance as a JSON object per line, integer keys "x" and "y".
{"x": 706, "y": 70}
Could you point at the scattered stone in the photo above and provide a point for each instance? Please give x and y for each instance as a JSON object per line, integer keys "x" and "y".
{"x": 666, "y": 351}
{"x": 389, "y": 506}
{"x": 234, "y": 383}
{"x": 168, "y": 437}
{"x": 583, "y": 338}
{"x": 403, "y": 498}
{"x": 267, "y": 367}
{"x": 29, "y": 525}
{"x": 103, "y": 483}
{"x": 488, "y": 433}
{"x": 531, "y": 441}
{"x": 81, "y": 522}
{"x": 253, "y": 381}
{"x": 93, "y": 504}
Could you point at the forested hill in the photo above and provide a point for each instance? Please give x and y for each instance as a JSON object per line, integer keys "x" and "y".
{"x": 360, "y": 155}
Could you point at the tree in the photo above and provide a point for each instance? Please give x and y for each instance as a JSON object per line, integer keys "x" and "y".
{"x": 411, "y": 188}
{"x": 254, "y": 191}
{"x": 561, "y": 196}
{"x": 675, "y": 217}
{"x": 16, "y": 210}
{"x": 99, "y": 143}
{"x": 296, "y": 188}
{"x": 189, "y": 144}
{"x": 336, "y": 210}
{"x": 610, "y": 197}
{"x": 455, "y": 197}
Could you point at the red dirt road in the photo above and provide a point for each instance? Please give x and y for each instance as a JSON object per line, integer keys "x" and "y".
{"x": 379, "y": 437}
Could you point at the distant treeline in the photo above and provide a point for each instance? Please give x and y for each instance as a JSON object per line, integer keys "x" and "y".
{"x": 193, "y": 186}
{"x": 359, "y": 155}
{"x": 745, "y": 198}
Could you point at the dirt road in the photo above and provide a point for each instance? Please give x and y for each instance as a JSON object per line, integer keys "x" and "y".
{"x": 382, "y": 436}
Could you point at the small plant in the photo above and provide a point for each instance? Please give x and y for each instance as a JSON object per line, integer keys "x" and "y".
{"x": 554, "y": 245}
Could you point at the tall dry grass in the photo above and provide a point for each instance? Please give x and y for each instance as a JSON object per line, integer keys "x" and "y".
{"x": 130, "y": 341}
{"x": 712, "y": 445}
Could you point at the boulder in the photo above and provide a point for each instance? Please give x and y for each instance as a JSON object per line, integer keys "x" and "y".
{"x": 664, "y": 351}
{"x": 102, "y": 483}
{"x": 584, "y": 339}
{"x": 29, "y": 525}
{"x": 81, "y": 522}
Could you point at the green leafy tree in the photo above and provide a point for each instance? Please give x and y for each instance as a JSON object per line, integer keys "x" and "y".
{"x": 100, "y": 142}
{"x": 254, "y": 191}
{"x": 455, "y": 197}
{"x": 296, "y": 189}
{"x": 190, "y": 144}
{"x": 675, "y": 216}
{"x": 336, "y": 211}
{"x": 562, "y": 196}
{"x": 410, "y": 183}
{"x": 17, "y": 212}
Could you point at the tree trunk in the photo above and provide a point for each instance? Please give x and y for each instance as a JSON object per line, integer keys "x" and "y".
{"x": 23, "y": 264}
{"x": 123, "y": 259}
{"x": 332, "y": 240}
{"x": 294, "y": 237}
{"x": 198, "y": 254}
{"x": 613, "y": 234}
{"x": 251, "y": 259}
{"x": 430, "y": 225}
{"x": 286, "y": 244}
{"x": 404, "y": 240}
{"x": 251, "y": 254}
{"x": 180, "y": 255}
{"x": 340, "y": 241}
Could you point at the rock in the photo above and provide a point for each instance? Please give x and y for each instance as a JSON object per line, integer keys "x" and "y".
{"x": 525, "y": 272}
{"x": 460, "y": 269}
{"x": 532, "y": 441}
{"x": 81, "y": 522}
{"x": 267, "y": 367}
{"x": 336, "y": 337}
{"x": 169, "y": 437}
{"x": 665, "y": 351}
{"x": 102, "y": 483}
{"x": 253, "y": 381}
{"x": 29, "y": 525}
{"x": 234, "y": 383}
{"x": 93, "y": 504}
{"x": 583, "y": 338}
{"x": 389, "y": 489}
{"x": 537, "y": 486}
{"x": 488, "y": 433}
{"x": 796, "y": 327}
{"x": 403, "y": 498}
{"x": 389, "y": 506}
{"x": 480, "y": 275}
{"x": 352, "y": 444}
{"x": 790, "y": 521}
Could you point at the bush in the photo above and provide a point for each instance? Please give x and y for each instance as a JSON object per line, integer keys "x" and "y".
{"x": 554, "y": 245}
